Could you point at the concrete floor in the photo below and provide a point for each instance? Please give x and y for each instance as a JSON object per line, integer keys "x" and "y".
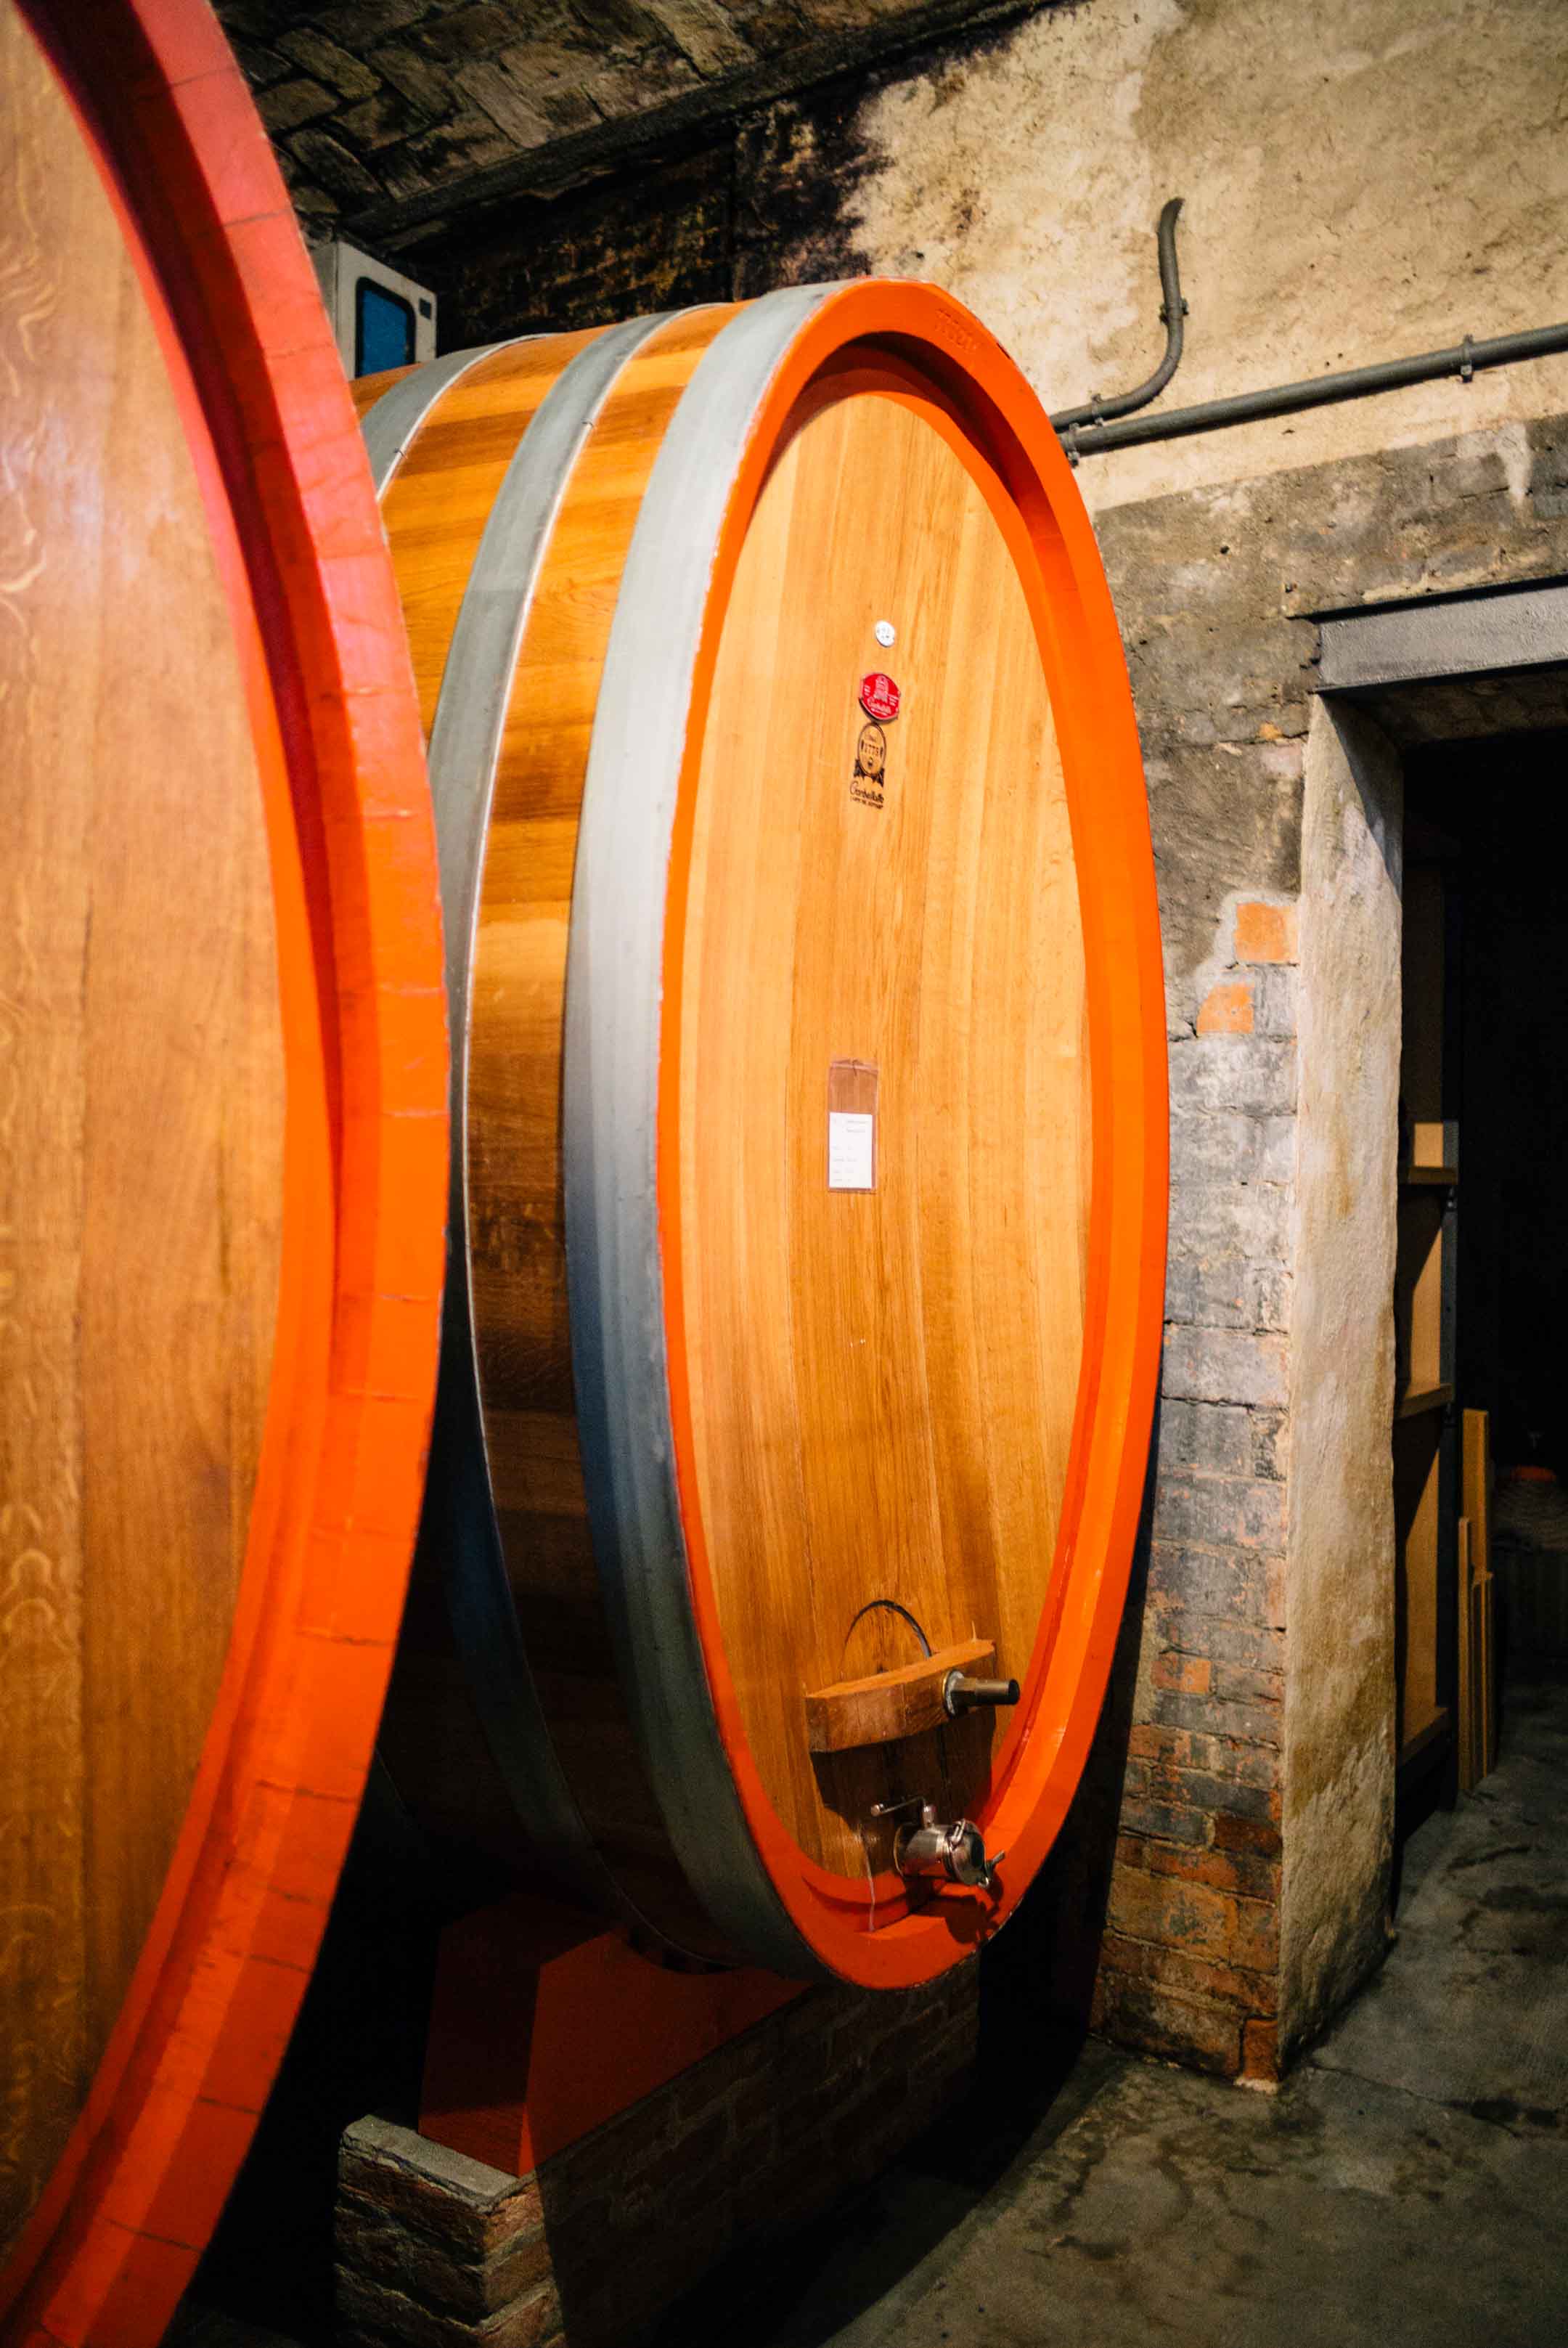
{"x": 1409, "y": 2184}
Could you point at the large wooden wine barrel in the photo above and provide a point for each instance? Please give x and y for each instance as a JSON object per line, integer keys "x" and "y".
{"x": 223, "y": 1146}
{"x": 810, "y": 1119}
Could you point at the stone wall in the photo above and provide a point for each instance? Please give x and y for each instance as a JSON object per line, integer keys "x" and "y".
{"x": 1362, "y": 179}
{"x": 1222, "y": 679}
{"x": 1338, "y": 1774}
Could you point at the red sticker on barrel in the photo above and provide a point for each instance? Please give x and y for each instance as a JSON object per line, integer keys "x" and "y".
{"x": 880, "y": 697}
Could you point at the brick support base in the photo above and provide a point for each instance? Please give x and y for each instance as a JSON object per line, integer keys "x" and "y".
{"x": 434, "y": 2246}
{"x": 435, "y": 2250}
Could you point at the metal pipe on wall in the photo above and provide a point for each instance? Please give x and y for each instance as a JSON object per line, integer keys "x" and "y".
{"x": 1172, "y": 309}
{"x": 1463, "y": 359}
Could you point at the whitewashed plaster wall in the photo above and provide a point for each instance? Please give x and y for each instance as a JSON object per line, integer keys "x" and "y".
{"x": 1364, "y": 179}
{"x": 1337, "y": 1773}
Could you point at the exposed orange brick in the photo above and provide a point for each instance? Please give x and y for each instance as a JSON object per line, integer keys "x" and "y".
{"x": 1260, "y": 2050}
{"x": 1265, "y": 933}
{"x": 1150, "y": 1741}
{"x": 1172, "y": 1913}
{"x": 1144, "y": 2014}
{"x": 1232, "y": 1833}
{"x": 1227, "y": 1009}
{"x": 1247, "y": 1872}
{"x": 1247, "y": 1988}
{"x": 1189, "y": 1674}
{"x": 1257, "y": 1941}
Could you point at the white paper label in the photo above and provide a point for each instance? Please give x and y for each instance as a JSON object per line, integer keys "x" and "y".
{"x": 851, "y": 1149}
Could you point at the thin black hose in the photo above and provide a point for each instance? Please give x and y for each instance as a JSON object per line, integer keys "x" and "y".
{"x": 892, "y": 1607}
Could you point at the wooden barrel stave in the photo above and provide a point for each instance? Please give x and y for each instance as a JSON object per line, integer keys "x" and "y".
{"x": 619, "y": 1623}
{"x": 147, "y": 1227}
{"x": 507, "y": 799}
{"x": 517, "y": 1153}
{"x": 221, "y": 1289}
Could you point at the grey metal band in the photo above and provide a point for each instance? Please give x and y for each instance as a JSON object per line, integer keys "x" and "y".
{"x": 464, "y": 752}
{"x": 458, "y": 1525}
{"x": 610, "y": 1087}
{"x": 387, "y": 429}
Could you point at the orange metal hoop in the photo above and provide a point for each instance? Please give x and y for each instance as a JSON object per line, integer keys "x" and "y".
{"x": 883, "y": 327}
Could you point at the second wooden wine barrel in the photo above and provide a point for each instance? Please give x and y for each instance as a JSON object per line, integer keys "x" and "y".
{"x": 809, "y": 1188}
{"x": 223, "y": 1146}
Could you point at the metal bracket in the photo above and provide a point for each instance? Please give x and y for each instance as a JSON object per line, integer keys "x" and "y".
{"x": 962, "y": 1694}
{"x": 909, "y": 1802}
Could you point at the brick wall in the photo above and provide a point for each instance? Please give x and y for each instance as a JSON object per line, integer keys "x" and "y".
{"x": 435, "y": 2250}
{"x": 1191, "y": 1949}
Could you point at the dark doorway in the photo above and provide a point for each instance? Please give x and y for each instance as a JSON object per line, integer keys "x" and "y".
{"x": 1483, "y": 820}
{"x": 1497, "y": 809}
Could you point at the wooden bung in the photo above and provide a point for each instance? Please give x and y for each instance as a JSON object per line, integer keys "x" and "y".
{"x": 904, "y": 1702}
{"x": 809, "y": 1116}
{"x": 222, "y": 1091}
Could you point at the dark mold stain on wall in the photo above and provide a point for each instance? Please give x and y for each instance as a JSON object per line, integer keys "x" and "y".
{"x": 768, "y": 199}
{"x": 658, "y": 238}
{"x": 769, "y": 204}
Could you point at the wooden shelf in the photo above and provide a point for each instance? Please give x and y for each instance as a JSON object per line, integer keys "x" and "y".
{"x": 1417, "y": 1399}
{"x": 1428, "y": 1177}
